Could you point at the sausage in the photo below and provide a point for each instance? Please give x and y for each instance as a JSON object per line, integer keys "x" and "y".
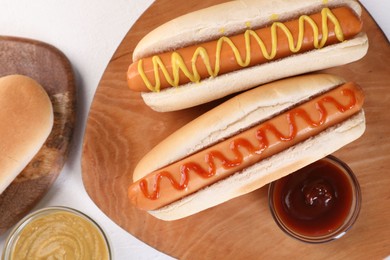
{"x": 341, "y": 24}
{"x": 232, "y": 155}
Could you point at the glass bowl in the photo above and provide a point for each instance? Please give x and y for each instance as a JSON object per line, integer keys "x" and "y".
{"x": 57, "y": 232}
{"x": 318, "y": 203}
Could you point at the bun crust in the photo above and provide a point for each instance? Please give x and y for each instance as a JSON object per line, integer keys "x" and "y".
{"x": 26, "y": 121}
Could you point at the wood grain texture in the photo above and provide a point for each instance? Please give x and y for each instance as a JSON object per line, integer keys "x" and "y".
{"x": 48, "y": 66}
{"x": 121, "y": 129}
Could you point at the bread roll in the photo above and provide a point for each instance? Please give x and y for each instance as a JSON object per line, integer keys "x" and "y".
{"x": 26, "y": 118}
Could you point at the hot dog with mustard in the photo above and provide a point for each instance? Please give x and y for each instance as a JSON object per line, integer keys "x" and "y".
{"x": 178, "y": 75}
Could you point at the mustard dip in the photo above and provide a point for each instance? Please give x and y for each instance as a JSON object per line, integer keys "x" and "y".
{"x": 59, "y": 234}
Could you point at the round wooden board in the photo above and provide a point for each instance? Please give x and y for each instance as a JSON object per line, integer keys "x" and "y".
{"x": 52, "y": 70}
{"x": 121, "y": 129}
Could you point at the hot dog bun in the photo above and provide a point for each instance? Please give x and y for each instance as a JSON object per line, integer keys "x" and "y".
{"x": 235, "y": 115}
{"x": 230, "y": 17}
{"x": 26, "y": 118}
{"x": 190, "y": 29}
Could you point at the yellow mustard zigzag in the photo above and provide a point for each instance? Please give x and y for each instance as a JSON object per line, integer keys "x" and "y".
{"x": 178, "y": 63}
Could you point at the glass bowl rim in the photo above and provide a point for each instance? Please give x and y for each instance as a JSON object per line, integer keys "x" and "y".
{"x": 349, "y": 221}
{"x": 21, "y": 224}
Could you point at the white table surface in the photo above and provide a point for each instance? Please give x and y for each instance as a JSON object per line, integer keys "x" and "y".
{"x": 88, "y": 32}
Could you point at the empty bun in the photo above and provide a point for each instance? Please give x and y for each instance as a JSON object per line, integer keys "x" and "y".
{"x": 26, "y": 118}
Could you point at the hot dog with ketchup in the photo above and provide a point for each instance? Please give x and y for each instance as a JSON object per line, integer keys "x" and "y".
{"x": 271, "y": 41}
{"x": 247, "y": 142}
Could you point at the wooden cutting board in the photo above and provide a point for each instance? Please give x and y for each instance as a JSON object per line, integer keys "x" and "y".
{"x": 121, "y": 129}
{"x": 47, "y": 65}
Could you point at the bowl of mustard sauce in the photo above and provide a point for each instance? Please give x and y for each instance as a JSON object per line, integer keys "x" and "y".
{"x": 318, "y": 203}
{"x": 57, "y": 233}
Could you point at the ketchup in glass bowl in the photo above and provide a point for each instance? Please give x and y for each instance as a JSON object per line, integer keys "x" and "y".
{"x": 317, "y": 203}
